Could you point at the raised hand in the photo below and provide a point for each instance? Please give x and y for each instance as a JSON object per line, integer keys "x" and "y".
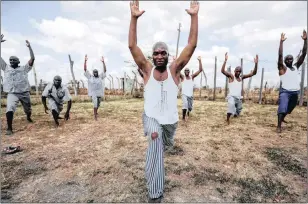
{"x": 304, "y": 36}
{"x": 2, "y": 36}
{"x": 27, "y": 43}
{"x": 199, "y": 58}
{"x": 283, "y": 38}
{"x": 256, "y": 59}
{"x": 86, "y": 58}
{"x": 194, "y": 8}
{"x": 226, "y": 56}
{"x": 102, "y": 59}
{"x": 134, "y": 9}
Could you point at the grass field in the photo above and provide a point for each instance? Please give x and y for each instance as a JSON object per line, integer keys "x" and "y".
{"x": 103, "y": 161}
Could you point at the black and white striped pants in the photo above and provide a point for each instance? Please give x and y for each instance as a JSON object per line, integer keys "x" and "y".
{"x": 154, "y": 169}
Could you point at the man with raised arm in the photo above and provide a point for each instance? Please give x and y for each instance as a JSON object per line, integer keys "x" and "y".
{"x": 235, "y": 87}
{"x": 188, "y": 89}
{"x": 16, "y": 84}
{"x": 140, "y": 72}
{"x": 95, "y": 85}
{"x": 290, "y": 81}
{"x": 57, "y": 94}
{"x": 160, "y": 116}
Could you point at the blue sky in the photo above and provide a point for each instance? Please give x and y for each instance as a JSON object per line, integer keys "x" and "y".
{"x": 56, "y": 29}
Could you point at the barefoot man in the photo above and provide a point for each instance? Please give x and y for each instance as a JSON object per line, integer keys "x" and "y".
{"x": 57, "y": 94}
{"x": 235, "y": 87}
{"x": 16, "y": 84}
{"x": 160, "y": 116}
{"x": 95, "y": 85}
{"x": 290, "y": 81}
{"x": 188, "y": 89}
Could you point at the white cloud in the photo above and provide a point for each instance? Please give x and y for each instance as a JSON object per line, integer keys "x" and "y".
{"x": 98, "y": 28}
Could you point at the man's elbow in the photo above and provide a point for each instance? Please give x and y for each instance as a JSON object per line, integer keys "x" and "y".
{"x": 131, "y": 46}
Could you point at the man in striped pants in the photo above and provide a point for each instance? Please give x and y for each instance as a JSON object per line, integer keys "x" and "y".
{"x": 160, "y": 116}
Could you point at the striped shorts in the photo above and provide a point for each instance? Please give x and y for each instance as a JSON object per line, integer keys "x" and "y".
{"x": 154, "y": 169}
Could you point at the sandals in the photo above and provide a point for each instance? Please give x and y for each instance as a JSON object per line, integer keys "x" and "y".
{"x": 11, "y": 150}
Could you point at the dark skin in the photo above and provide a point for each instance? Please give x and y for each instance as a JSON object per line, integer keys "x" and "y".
{"x": 282, "y": 69}
{"x": 187, "y": 76}
{"x": 140, "y": 72}
{"x": 57, "y": 84}
{"x": 236, "y": 75}
{"x": 160, "y": 55}
{"x": 14, "y": 62}
{"x": 95, "y": 74}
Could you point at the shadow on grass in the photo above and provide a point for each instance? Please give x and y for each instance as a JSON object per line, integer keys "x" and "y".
{"x": 285, "y": 161}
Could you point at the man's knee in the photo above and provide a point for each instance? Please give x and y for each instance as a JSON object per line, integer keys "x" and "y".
{"x": 11, "y": 108}
{"x": 154, "y": 135}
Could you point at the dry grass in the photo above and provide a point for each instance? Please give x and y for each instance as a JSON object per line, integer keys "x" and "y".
{"x": 103, "y": 161}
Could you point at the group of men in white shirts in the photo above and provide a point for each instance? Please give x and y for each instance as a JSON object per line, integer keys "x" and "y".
{"x": 161, "y": 86}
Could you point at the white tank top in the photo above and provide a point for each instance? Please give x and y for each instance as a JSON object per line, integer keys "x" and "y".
{"x": 160, "y": 99}
{"x": 188, "y": 87}
{"x": 235, "y": 88}
{"x": 290, "y": 80}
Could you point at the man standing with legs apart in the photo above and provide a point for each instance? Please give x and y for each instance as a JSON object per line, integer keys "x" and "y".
{"x": 290, "y": 81}
{"x": 160, "y": 116}
{"x": 188, "y": 89}
{"x": 57, "y": 94}
{"x": 235, "y": 87}
{"x": 16, "y": 84}
{"x": 95, "y": 85}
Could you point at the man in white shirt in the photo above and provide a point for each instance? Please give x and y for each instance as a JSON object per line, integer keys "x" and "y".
{"x": 235, "y": 87}
{"x": 290, "y": 81}
{"x": 17, "y": 87}
{"x": 160, "y": 116}
{"x": 57, "y": 94}
{"x": 95, "y": 85}
{"x": 188, "y": 89}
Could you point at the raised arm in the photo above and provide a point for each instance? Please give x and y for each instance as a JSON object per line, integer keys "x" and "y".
{"x": 104, "y": 65}
{"x": 304, "y": 51}
{"x": 188, "y": 51}
{"x": 103, "y": 74}
{"x": 85, "y": 63}
{"x": 254, "y": 71}
{"x": 200, "y": 68}
{"x": 2, "y": 62}
{"x": 223, "y": 68}
{"x": 181, "y": 77}
{"x": 140, "y": 72}
{"x": 32, "y": 58}
{"x": 281, "y": 66}
{"x": 136, "y": 52}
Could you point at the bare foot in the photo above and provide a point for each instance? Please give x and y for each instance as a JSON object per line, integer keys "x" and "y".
{"x": 278, "y": 130}
{"x": 9, "y": 132}
{"x": 29, "y": 120}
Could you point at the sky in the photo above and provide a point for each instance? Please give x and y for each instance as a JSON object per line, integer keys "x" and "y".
{"x": 56, "y": 29}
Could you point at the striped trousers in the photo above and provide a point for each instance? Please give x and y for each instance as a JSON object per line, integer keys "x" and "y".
{"x": 154, "y": 168}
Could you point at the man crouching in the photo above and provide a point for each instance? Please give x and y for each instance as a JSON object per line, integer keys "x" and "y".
{"x": 57, "y": 94}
